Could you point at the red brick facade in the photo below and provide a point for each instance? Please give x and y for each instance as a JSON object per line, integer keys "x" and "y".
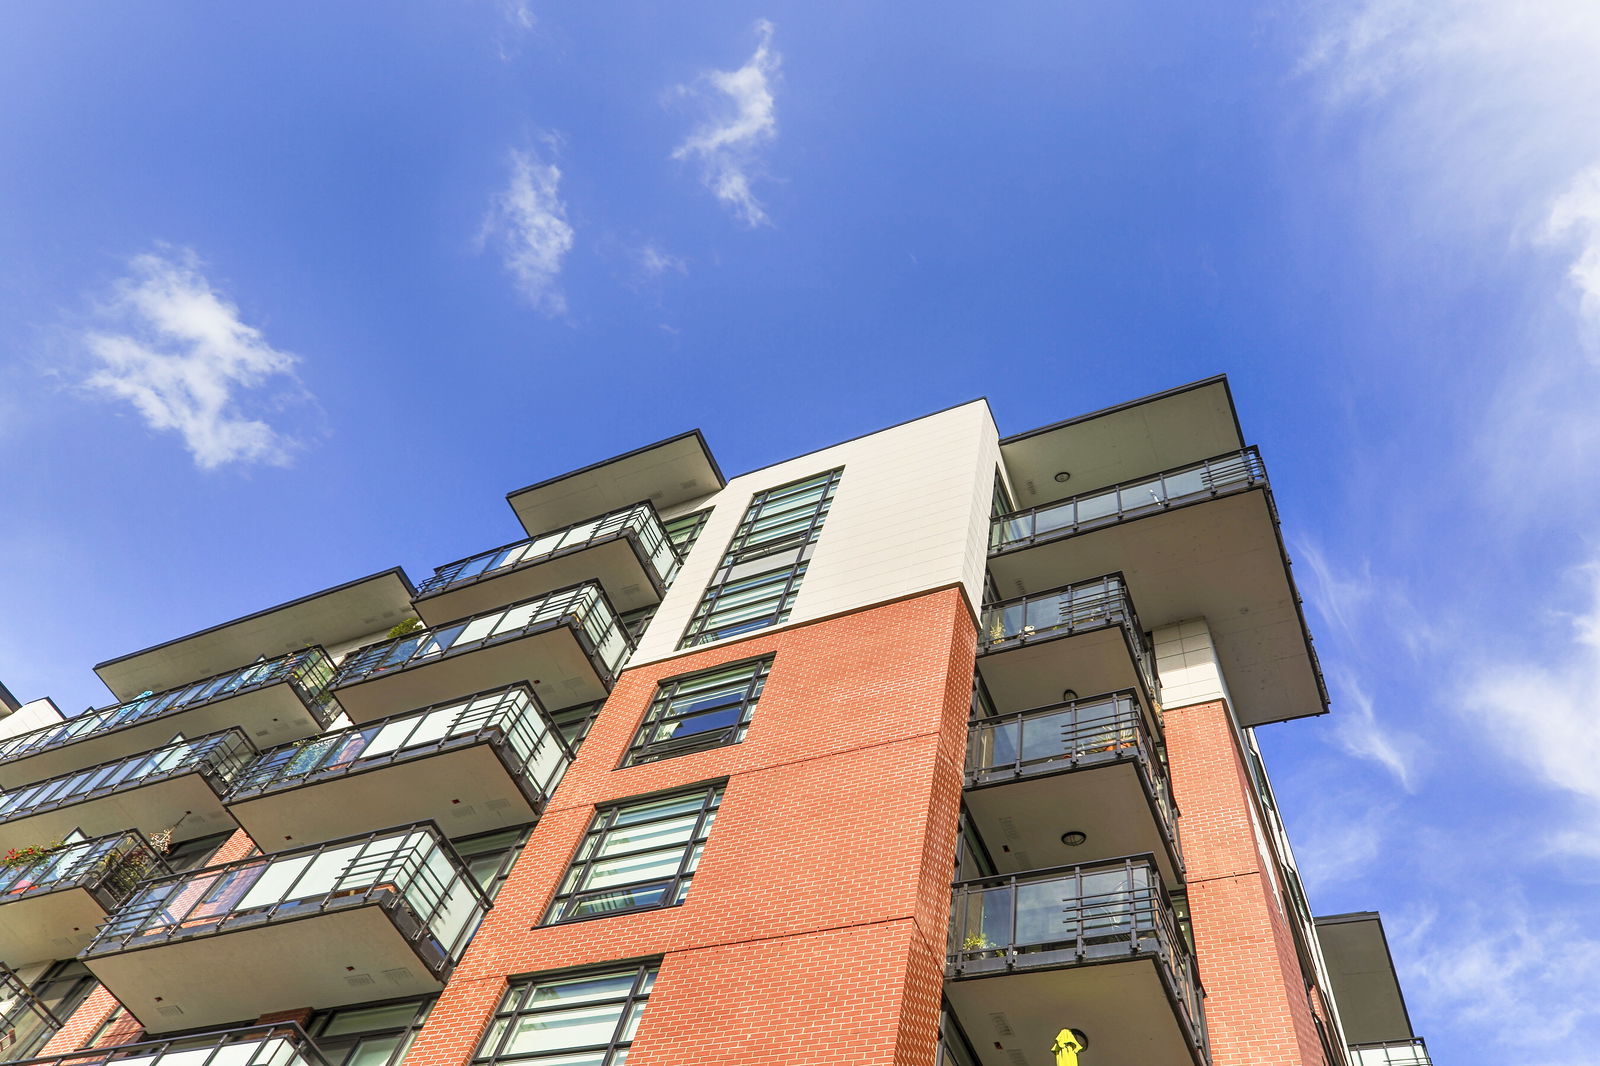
{"x": 814, "y": 931}
{"x": 1256, "y": 1006}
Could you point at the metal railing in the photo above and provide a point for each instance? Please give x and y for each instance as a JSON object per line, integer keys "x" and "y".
{"x": 510, "y": 717}
{"x": 25, "y": 1022}
{"x": 1070, "y": 916}
{"x": 108, "y": 867}
{"x": 1218, "y": 476}
{"x": 410, "y": 871}
{"x": 638, "y": 520}
{"x": 1391, "y": 1053}
{"x": 1060, "y": 612}
{"x": 278, "y": 1044}
{"x": 586, "y": 605}
{"x": 308, "y": 672}
{"x": 217, "y": 757}
{"x": 1069, "y": 736}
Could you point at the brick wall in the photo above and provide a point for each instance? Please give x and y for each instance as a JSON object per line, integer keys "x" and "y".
{"x": 1256, "y": 1006}
{"x": 814, "y": 930}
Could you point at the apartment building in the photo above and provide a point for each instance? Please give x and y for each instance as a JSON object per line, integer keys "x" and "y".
{"x": 935, "y": 746}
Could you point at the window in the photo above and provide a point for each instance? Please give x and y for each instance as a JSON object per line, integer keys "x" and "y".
{"x": 582, "y": 1019}
{"x": 698, "y": 712}
{"x": 759, "y": 578}
{"x": 489, "y": 857}
{"x": 573, "y": 722}
{"x": 637, "y": 856}
{"x": 684, "y": 530}
{"x": 193, "y": 854}
{"x": 373, "y": 1035}
{"x": 634, "y": 622}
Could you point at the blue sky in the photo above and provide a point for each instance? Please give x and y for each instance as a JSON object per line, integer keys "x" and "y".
{"x": 295, "y": 292}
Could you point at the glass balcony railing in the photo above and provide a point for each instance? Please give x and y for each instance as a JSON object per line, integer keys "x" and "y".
{"x": 1069, "y": 736}
{"x": 639, "y": 521}
{"x": 219, "y": 757}
{"x": 280, "y": 1044}
{"x": 1219, "y": 476}
{"x": 1394, "y": 1053}
{"x": 25, "y": 1023}
{"x": 510, "y": 717}
{"x": 411, "y": 872}
{"x": 586, "y": 605}
{"x": 1063, "y": 611}
{"x": 1071, "y": 916}
{"x": 308, "y": 672}
{"x": 108, "y": 867}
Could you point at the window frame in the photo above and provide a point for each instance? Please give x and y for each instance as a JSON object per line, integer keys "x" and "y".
{"x": 514, "y": 1005}
{"x": 589, "y": 854}
{"x": 770, "y": 529}
{"x": 642, "y": 751}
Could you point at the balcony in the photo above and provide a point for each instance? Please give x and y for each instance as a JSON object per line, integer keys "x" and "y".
{"x": 1394, "y": 1053}
{"x": 1084, "y": 638}
{"x": 280, "y": 1044}
{"x": 1094, "y": 948}
{"x": 375, "y": 917}
{"x": 627, "y": 551}
{"x": 474, "y": 765}
{"x": 1097, "y": 759}
{"x": 568, "y": 645}
{"x": 25, "y": 1023}
{"x": 282, "y": 699}
{"x": 1197, "y": 541}
{"x": 50, "y": 905}
{"x": 178, "y": 787}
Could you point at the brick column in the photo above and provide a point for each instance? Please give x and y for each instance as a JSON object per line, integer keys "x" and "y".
{"x": 1256, "y": 1008}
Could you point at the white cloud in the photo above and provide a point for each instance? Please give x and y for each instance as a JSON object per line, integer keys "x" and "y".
{"x": 654, "y": 262}
{"x": 1574, "y": 221}
{"x": 744, "y": 120}
{"x": 1539, "y": 712}
{"x": 1518, "y": 975}
{"x": 528, "y": 223}
{"x": 177, "y": 350}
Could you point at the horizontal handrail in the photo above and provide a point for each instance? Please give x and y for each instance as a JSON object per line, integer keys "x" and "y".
{"x": 218, "y": 756}
{"x": 511, "y": 715}
{"x": 308, "y": 671}
{"x": 1218, "y": 476}
{"x": 1066, "y": 736}
{"x": 110, "y": 867}
{"x": 1070, "y": 915}
{"x": 585, "y": 604}
{"x": 1411, "y": 1052}
{"x": 412, "y": 866}
{"x": 1066, "y": 610}
{"x": 278, "y": 1044}
{"x": 638, "y": 520}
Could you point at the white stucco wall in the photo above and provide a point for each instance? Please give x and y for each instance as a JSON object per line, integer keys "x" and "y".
{"x": 911, "y": 513}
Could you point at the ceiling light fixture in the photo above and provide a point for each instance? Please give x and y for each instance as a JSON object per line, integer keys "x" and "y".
{"x": 1073, "y": 838}
{"x": 1063, "y": 476}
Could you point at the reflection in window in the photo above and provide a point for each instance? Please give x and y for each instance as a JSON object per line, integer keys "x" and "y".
{"x": 699, "y": 712}
{"x": 637, "y": 856}
{"x": 581, "y": 1019}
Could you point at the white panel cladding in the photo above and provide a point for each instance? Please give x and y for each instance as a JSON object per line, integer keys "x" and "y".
{"x": 35, "y": 714}
{"x": 911, "y": 513}
{"x": 1186, "y": 662}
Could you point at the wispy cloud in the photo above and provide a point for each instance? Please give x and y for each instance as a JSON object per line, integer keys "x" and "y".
{"x": 177, "y": 350}
{"x": 654, "y": 262}
{"x": 742, "y": 121}
{"x": 1518, "y": 973}
{"x": 528, "y": 224}
{"x": 1539, "y": 709}
{"x": 517, "y": 21}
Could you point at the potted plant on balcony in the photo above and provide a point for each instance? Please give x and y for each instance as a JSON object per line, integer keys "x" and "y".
{"x": 978, "y": 944}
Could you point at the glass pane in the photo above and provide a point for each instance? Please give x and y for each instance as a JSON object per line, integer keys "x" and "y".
{"x": 558, "y": 1030}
